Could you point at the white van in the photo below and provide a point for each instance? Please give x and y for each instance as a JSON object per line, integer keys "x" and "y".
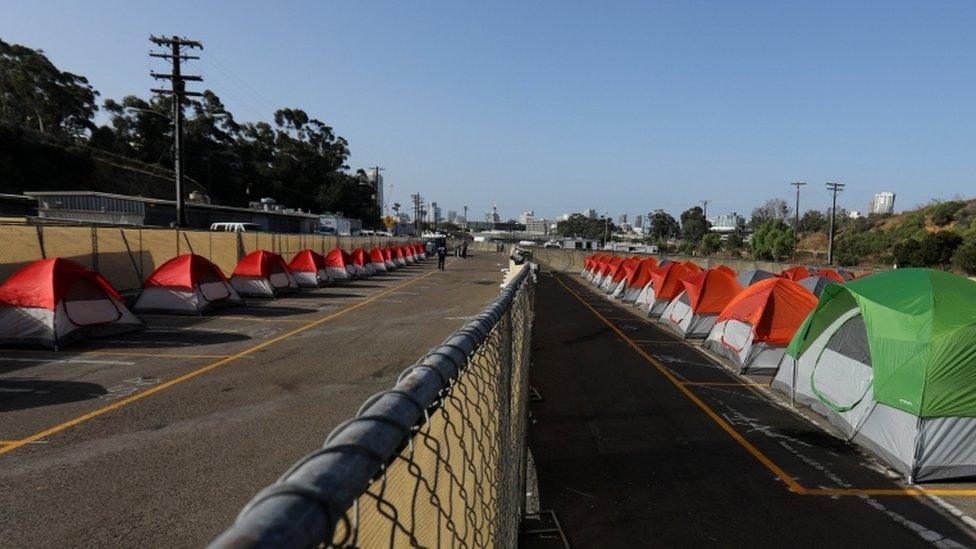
{"x": 237, "y": 227}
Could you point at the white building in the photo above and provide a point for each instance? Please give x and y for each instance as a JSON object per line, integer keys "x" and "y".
{"x": 433, "y": 213}
{"x": 526, "y": 217}
{"x": 622, "y": 220}
{"x": 492, "y": 216}
{"x": 883, "y": 203}
{"x": 589, "y": 213}
{"x": 727, "y": 223}
{"x": 452, "y": 216}
{"x": 638, "y": 222}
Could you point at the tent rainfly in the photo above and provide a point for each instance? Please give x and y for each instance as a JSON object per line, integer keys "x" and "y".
{"x": 186, "y": 284}
{"x": 889, "y": 360}
{"x": 263, "y": 274}
{"x": 611, "y": 281}
{"x": 360, "y": 259}
{"x": 408, "y": 255}
{"x": 52, "y": 302}
{"x": 591, "y": 265}
{"x": 664, "y": 285}
{"x": 308, "y": 268}
{"x": 388, "y": 259}
{"x": 635, "y": 278}
{"x": 607, "y": 269}
{"x": 338, "y": 263}
{"x": 754, "y": 329}
{"x": 839, "y": 276}
{"x": 795, "y": 272}
{"x": 376, "y": 260}
{"x": 693, "y": 312}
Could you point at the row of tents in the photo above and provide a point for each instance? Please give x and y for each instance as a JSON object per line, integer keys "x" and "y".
{"x": 888, "y": 358}
{"x": 54, "y": 301}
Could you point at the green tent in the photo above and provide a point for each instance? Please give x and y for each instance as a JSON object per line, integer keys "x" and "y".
{"x": 891, "y": 359}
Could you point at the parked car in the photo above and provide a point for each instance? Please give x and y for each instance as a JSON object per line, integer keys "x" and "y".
{"x": 236, "y": 227}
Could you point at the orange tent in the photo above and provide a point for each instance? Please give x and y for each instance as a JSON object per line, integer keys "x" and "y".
{"x": 608, "y": 266}
{"x": 693, "y": 312}
{"x": 839, "y": 276}
{"x": 636, "y": 277}
{"x": 754, "y": 329}
{"x": 795, "y": 273}
{"x": 665, "y": 285}
{"x": 611, "y": 281}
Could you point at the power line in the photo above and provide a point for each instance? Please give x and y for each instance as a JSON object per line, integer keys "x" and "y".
{"x": 834, "y": 188}
{"x": 178, "y": 91}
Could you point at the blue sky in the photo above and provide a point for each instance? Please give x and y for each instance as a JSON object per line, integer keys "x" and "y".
{"x": 558, "y": 106}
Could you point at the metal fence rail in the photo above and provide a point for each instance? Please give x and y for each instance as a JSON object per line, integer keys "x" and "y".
{"x": 438, "y": 460}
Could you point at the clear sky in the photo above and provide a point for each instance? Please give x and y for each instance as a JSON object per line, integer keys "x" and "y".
{"x": 558, "y": 106}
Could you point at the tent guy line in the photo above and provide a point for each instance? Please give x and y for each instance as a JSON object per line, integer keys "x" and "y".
{"x": 13, "y": 445}
{"x": 781, "y": 475}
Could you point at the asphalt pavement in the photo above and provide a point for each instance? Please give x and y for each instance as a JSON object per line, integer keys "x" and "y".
{"x": 158, "y": 438}
{"x": 642, "y": 440}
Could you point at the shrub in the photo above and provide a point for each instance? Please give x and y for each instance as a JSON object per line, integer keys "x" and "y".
{"x": 964, "y": 258}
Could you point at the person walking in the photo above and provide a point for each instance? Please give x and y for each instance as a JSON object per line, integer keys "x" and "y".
{"x": 441, "y": 255}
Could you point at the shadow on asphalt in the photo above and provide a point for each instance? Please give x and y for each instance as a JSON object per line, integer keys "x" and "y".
{"x": 162, "y": 337}
{"x": 25, "y": 393}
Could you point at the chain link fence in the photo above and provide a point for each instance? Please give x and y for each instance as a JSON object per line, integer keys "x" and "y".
{"x": 126, "y": 256}
{"x": 436, "y": 461}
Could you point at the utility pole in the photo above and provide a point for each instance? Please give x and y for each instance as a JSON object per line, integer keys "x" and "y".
{"x": 834, "y": 188}
{"x": 796, "y": 225}
{"x": 178, "y": 92}
{"x": 465, "y": 217}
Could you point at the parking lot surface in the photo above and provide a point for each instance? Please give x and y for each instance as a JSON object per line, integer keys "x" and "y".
{"x": 642, "y": 440}
{"x": 159, "y": 437}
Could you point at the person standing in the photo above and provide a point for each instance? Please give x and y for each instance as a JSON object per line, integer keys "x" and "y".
{"x": 464, "y": 249}
{"x": 441, "y": 255}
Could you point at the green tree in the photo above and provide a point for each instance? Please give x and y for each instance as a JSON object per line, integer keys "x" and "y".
{"x": 932, "y": 250}
{"x": 774, "y": 209}
{"x": 580, "y": 226}
{"x": 773, "y": 240}
{"x": 34, "y": 93}
{"x": 694, "y": 225}
{"x": 813, "y": 221}
{"x": 711, "y": 243}
{"x": 964, "y": 257}
{"x": 734, "y": 242}
{"x": 663, "y": 226}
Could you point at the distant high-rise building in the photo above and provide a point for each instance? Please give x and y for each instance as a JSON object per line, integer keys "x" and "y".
{"x": 492, "y": 216}
{"x": 639, "y": 222}
{"x": 433, "y": 213}
{"x": 589, "y": 213}
{"x": 622, "y": 219}
{"x": 375, "y": 180}
{"x": 883, "y": 203}
{"x": 452, "y": 216}
{"x": 526, "y": 217}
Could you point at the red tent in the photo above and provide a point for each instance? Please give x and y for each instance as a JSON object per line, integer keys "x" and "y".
{"x": 388, "y": 258}
{"x": 607, "y": 268}
{"x": 617, "y": 274}
{"x": 665, "y": 285}
{"x": 755, "y": 328}
{"x": 263, "y": 274}
{"x": 308, "y": 267}
{"x": 360, "y": 260}
{"x": 839, "y": 276}
{"x": 53, "y": 301}
{"x": 188, "y": 284}
{"x": 398, "y": 257}
{"x": 377, "y": 261}
{"x": 795, "y": 273}
{"x": 338, "y": 263}
{"x": 727, "y": 269}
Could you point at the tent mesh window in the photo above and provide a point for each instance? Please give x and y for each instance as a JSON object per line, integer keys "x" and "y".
{"x": 851, "y": 340}
{"x": 87, "y": 304}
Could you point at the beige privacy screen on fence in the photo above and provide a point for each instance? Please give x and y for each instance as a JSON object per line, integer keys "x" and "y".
{"x": 460, "y": 481}
{"x": 126, "y": 256}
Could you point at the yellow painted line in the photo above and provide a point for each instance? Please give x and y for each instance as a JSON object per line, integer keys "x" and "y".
{"x": 11, "y": 446}
{"x": 152, "y": 355}
{"x": 791, "y": 484}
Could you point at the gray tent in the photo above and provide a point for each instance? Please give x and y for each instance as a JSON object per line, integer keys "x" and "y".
{"x": 750, "y": 277}
{"x": 816, "y": 284}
